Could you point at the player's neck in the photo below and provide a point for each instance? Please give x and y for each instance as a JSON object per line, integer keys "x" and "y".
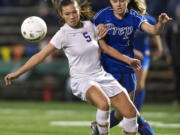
{"x": 119, "y": 16}
{"x": 79, "y": 25}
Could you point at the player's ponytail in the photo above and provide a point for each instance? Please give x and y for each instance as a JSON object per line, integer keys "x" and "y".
{"x": 86, "y": 12}
{"x": 85, "y": 8}
{"x": 138, "y": 5}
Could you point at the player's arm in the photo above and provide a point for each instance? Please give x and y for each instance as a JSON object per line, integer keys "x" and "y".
{"x": 138, "y": 55}
{"x": 32, "y": 62}
{"x": 158, "y": 28}
{"x": 134, "y": 63}
{"x": 158, "y": 43}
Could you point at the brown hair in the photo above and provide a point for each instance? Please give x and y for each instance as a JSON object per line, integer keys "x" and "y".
{"x": 138, "y": 5}
{"x": 85, "y": 9}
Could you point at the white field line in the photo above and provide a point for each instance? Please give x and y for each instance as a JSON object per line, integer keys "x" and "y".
{"x": 71, "y": 123}
{"x": 164, "y": 125}
{"x": 54, "y": 112}
{"x": 88, "y": 123}
{"x": 158, "y": 114}
{"x": 10, "y": 111}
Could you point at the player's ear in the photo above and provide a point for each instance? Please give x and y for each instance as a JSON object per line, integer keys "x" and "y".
{"x": 61, "y": 15}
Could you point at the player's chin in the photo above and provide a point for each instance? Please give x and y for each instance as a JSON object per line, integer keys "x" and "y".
{"x": 120, "y": 11}
{"x": 73, "y": 24}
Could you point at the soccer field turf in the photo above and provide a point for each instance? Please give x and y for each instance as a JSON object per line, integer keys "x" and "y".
{"x": 59, "y": 118}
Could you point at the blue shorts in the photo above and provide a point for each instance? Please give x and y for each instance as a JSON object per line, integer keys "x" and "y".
{"x": 145, "y": 62}
{"x": 127, "y": 80}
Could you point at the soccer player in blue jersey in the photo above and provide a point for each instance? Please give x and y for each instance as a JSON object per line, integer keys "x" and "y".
{"x": 142, "y": 52}
{"x": 122, "y": 19}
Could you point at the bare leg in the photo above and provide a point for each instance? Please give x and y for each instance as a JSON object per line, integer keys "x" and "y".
{"x": 140, "y": 90}
{"x": 124, "y": 106}
{"x": 141, "y": 78}
{"x": 98, "y": 98}
{"x": 144, "y": 127}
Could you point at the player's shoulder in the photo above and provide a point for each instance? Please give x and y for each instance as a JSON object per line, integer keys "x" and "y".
{"x": 64, "y": 27}
{"x": 133, "y": 12}
{"x": 61, "y": 31}
{"x": 103, "y": 12}
{"x": 88, "y": 24}
{"x": 149, "y": 17}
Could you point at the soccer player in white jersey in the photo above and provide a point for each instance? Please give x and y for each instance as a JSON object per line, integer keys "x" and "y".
{"x": 89, "y": 81}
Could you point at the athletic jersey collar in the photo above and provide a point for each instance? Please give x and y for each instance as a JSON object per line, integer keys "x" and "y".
{"x": 71, "y": 28}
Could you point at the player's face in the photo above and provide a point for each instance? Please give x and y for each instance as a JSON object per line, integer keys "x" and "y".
{"x": 119, "y": 6}
{"x": 70, "y": 14}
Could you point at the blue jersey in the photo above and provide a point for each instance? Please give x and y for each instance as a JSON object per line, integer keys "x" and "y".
{"x": 141, "y": 41}
{"x": 120, "y": 36}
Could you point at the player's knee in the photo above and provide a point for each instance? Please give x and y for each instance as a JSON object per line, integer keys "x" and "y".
{"x": 140, "y": 86}
{"x": 105, "y": 105}
{"x": 130, "y": 125}
{"x": 118, "y": 115}
{"x": 132, "y": 112}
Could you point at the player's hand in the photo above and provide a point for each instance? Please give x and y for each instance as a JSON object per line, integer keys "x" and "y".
{"x": 8, "y": 78}
{"x": 102, "y": 30}
{"x": 164, "y": 18}
{"x": 135, "y": 64}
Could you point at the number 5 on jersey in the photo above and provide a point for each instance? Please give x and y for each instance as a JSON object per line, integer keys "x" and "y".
{"x": 87, "y": 37}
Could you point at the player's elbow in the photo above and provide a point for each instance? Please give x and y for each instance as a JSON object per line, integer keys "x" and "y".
{"x": 154, "y": 32}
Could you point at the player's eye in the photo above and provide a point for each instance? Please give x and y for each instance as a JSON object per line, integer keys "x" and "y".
{"x": 67, "y": 14}
{"x": 114, "y": 1}
{"x": 122, "y": 0}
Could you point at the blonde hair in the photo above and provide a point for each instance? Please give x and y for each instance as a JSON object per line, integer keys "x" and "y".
{"x": 86, "y": 12}
{"x": 138, "y": 5}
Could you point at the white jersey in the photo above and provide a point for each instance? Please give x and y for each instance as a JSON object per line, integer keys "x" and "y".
{"x": 80, "y": 47}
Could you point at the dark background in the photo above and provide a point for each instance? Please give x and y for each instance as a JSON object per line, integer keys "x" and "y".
{"x": 49, "y": 81}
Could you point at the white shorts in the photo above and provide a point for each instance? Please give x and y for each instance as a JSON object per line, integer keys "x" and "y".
{"x": 105, "y": 81}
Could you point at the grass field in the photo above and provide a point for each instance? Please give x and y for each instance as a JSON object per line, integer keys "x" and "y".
{"x": 57, "y": 118}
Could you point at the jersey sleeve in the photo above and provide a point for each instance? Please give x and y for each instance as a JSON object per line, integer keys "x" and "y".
{"x": 138, "y": 19}
{"x": 58, "y": 40}
{"x": 150, "y": 19}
